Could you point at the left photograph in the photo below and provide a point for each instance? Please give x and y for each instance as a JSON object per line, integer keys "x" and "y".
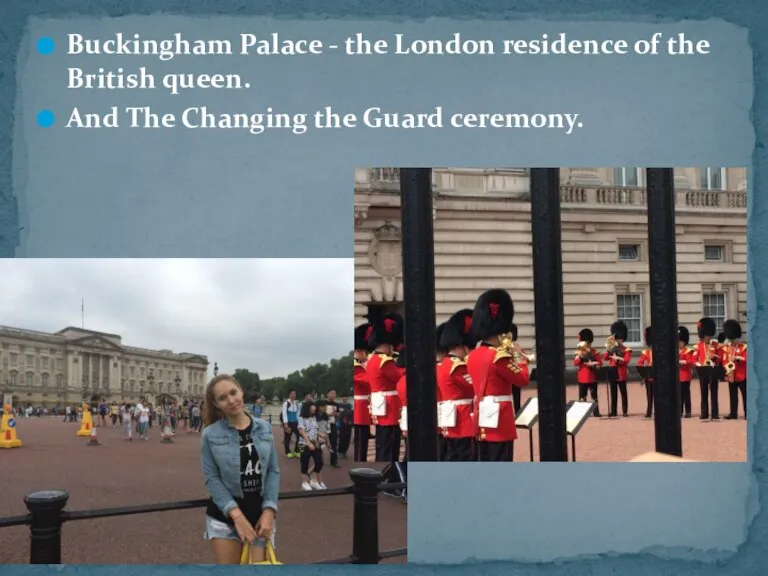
{"x": 185, "y": 412}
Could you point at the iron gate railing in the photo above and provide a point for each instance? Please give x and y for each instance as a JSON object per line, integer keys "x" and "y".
{"x": 419, "y": 295}
{"x": 47, "y": 514}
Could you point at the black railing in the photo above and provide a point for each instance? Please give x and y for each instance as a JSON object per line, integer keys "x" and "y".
{"x": 47, "y": 514}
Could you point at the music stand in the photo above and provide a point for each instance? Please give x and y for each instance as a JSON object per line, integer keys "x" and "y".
{"x": 608, "y": 374}
{"x": 526, "y": 419}
{"x": 645, "y": 372}
{"x": 576, "y": 415}
{"x": 710, "y": 372}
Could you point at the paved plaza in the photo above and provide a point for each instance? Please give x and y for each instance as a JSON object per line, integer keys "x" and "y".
{"x": 621, "y": 439}
{"x": 120, "y": 473}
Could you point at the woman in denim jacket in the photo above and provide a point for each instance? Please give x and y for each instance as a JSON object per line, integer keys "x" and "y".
{"x": 241, "y": 474}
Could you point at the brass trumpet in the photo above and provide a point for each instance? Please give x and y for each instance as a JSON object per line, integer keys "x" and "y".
{"x": 584, "y": 351}
{"x": 709, "y": 363}
{"x": 729, "y": 368}
{"x": 511, "y": 347}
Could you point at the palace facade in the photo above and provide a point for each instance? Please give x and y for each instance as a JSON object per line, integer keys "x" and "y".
{"x": 482, "y": 235}
{"x": 73, "y": 365}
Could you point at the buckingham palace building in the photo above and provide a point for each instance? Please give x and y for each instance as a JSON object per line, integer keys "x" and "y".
{"x": 482, "y": 235}
{"x": 73, "y": 365}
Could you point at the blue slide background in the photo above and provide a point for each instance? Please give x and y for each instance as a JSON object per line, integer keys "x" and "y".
{"x": 174, "y": 193}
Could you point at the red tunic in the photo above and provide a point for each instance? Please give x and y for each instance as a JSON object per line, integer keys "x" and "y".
{"x": 494, "y": 374}
{"x": 740, "y": 351}
{"x": 454, "y": 385}
{"x": 586, "y": 375}
{"x": 362, "y": 396}
{"x": 402, "y": 396}
{"x": 646, "y": 359}
{"x": 687, "y": 359}
{"x": 621, "y": 365}
{"x": 704, "y": 351}
{"x": 383, "y": 375}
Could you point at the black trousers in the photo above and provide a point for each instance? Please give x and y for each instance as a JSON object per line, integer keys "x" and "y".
{"x": 685, "y": 396}
{"x": 315, "y": 455}
{"x": 592, "y": 389}
{"x": 388, "y": 443}
{"x": 345, "y": 438}
{"x": 362, "y": 436}
{"x": 709, "y": 388}
{"x": 733, "y": 391}
{"x": 621, "y": 385}
{"x": 516, "y": 393}
{"x": 495, "y": 451}
{"x": 649, "y": 397}
{"x": 459, "y": 449}
{"x": 442, "y": 448}
{"x": 293, "y": 430}
{"x": 333, "y": 437}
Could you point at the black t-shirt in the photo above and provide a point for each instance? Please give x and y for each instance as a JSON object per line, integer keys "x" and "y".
{"x": 250, "y": 482}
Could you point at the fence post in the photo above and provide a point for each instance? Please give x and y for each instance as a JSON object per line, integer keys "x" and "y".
{"x": 45, "y": 508}
{"x": 365, "y": 527}
{"x": 662, "y": 265}
{"x": 548, "y": 313}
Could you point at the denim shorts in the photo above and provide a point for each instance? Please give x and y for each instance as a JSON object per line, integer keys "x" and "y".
{"x": 218, "y": 529}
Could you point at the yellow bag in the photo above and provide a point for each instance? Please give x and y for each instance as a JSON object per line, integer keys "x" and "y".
{"x": 269, "y": 556}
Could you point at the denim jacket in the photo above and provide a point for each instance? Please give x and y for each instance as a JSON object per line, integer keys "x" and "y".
{"x": 220, "y": 449}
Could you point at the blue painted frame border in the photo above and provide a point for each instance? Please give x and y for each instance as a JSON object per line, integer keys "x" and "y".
{"x": 748, "y": 14}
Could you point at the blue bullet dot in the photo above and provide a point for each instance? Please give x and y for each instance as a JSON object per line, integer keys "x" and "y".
{"x": 45, "y": 118}
{"x": 45, "y": 45}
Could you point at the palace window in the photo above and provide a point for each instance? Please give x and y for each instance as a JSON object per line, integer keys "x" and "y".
{"x": 45, "y": 381}
{"x": 629, "y": 309}
{"x": 60, "y": 381}
{"x": 629, "y": 252}
{"x": 14, "y": 378}
{"x": 30, "y": 360}
{"x": 715, "y": 308}
{"x": 712, "y": 178}
{"x": 713, "y": 253}
{"x": 30, "y": 379}
{"x": 14, "y": 358}
{"x": 627, "y": 177}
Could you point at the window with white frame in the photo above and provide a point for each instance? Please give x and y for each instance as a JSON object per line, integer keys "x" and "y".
{"x": 629, "y": 252}
{"x": 714, "y": 307}
{"x": 713, "y": 252}
{"x": 712, "y": 178}
{"x": 627, "y": 176}
{"x": 629, "y": 309}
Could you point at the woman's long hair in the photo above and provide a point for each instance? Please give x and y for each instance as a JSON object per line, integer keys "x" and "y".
{"x": 306, "y": 409}
{"x": 212, "y": 414}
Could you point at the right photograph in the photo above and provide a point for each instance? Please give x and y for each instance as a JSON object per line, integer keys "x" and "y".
{"x": 632, "y": 280}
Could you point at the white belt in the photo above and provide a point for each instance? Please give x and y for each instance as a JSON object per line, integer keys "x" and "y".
{"x": 460, "y": 402}
{"x": 497, "y": 399}
{"x": 387, "y": 393}
{"x": 362, "y": 397}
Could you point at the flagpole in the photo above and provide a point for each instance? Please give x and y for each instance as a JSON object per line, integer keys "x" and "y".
{"x": 82, "y": 314}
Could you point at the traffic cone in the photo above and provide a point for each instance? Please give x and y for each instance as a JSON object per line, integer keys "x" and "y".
{"x": 167, "y": 434}
{"x": 87, "y": 422}
{"x": 94, "y": 440}
{"x": 8, "y": 427}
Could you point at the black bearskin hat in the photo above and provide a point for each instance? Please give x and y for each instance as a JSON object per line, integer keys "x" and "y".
{"x": 362, "y": 333}
{"x": 619, "y": 330}
{"x": 706, "y": 327}
{"x": 683, "y": 335}
{"x": 732, "y": 329}
{"x": 387, "y": 330}
{"x": 513, "y": 331}
{"x": 492, "y": 315}
{"x": 721, "y": 338}
{"x": 586, "y": 335}
{"x": 458, "y": 331}
{"x": 648, "y": 336}
{"x": 438, "y": 339}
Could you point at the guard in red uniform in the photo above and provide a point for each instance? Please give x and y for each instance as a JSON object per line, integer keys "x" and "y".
{"x": 402, "y": 396}
{"x": 454, "y": 411}
{"x": 440, "y": 354}
{"x": 494, "y": 372}
{"x": 383, "y": 375}
{"x": 686, "y": 359}
{"x": 619, "y": 357}
{"x": 362, "y": 393}
{"x": 646, "y": 359}
{"x": 707, "y": 350}
{"x": 523, "y": 363}
{"x": 588, "y": 361}
{"x": 735, "y": 352}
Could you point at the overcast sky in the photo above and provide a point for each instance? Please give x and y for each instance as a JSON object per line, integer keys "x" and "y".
{"x": 271, "y": 316}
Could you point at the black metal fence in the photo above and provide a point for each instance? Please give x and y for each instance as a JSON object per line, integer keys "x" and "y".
{"x": 47, "y": 513}
{"x": 418, "y": 287}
